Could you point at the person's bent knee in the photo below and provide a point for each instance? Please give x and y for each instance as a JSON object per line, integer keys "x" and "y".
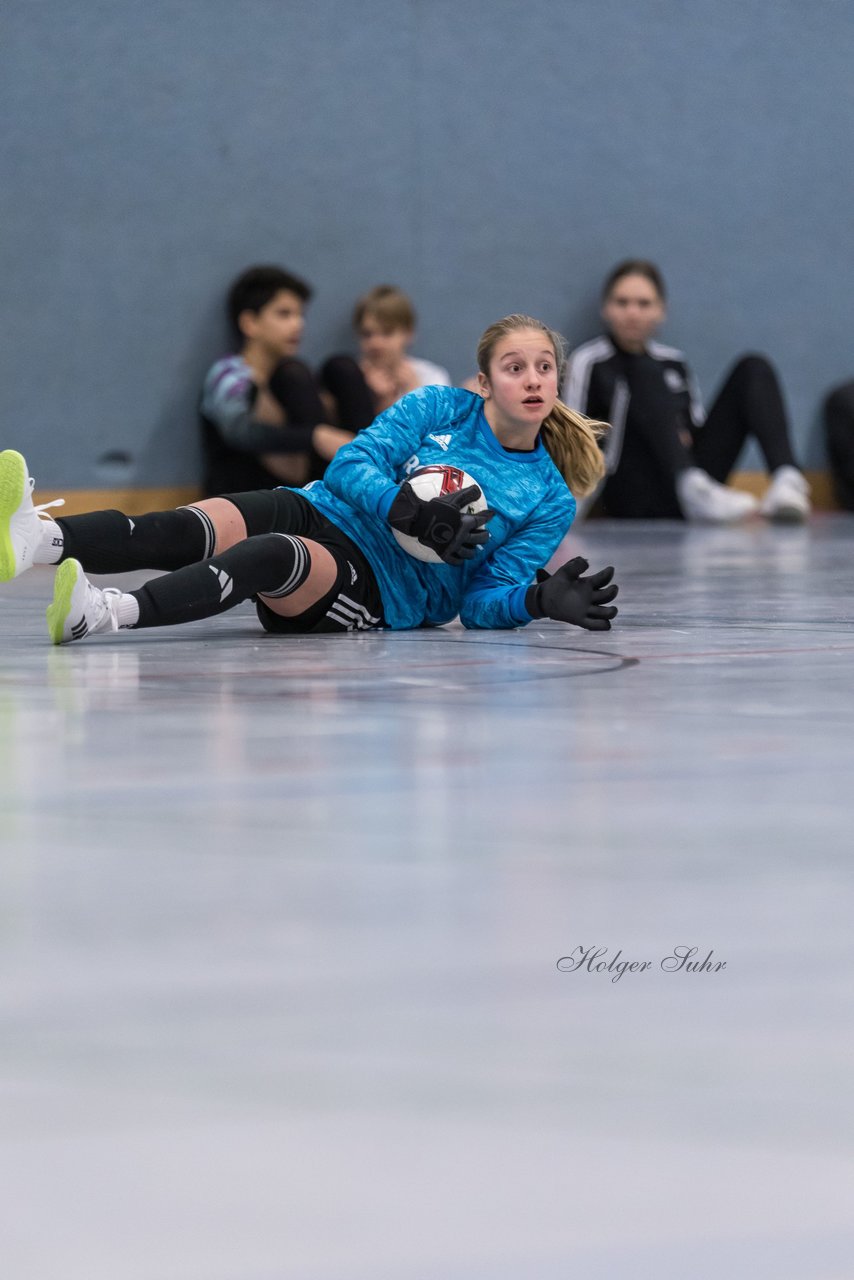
{"x": 226, "y": 521}
{"x": 839, "y": 404}
{"x": 318, "y": 582}
{"x": 289, "y": 373}
{"x": 753, "y": 365}
{"x": 339, "y": 366}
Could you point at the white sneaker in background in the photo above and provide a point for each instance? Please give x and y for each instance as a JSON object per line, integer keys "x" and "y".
{"x": 704, "y": 500}
{"x": 80, "y": 609}
{"x": 787, "y": 499}
{"x": 21, "y": 525}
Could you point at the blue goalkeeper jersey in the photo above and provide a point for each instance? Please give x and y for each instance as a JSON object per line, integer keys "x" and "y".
{"x": 447, "y": 426}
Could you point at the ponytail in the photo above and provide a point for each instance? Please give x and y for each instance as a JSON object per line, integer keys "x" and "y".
{"x": 572, "y": 442}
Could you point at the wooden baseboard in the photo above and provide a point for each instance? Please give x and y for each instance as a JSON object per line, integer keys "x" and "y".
{"x": 756, "y": 482}
{"x": 135, "y": 502}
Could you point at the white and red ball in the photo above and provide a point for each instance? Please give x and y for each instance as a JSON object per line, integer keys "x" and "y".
{"x": 436, "y": 482}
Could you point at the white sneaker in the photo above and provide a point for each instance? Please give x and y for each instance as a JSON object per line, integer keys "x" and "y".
{"x": 80, "y": 609}
{"x": 787, "y": 499}
{"x": 704, "y": 500}
{"x": 21, "y": 528}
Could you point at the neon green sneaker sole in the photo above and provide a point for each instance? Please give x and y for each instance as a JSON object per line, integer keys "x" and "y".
{"x": 58, "y": 611}
{"x": 13, "y": 471}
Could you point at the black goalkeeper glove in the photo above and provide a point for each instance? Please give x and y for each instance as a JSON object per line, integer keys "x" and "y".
{"x": 440, "y": 523}
{"x": 567, "y": 597}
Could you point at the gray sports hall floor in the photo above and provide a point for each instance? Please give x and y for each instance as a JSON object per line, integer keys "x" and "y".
{"x": 281, "y": 923}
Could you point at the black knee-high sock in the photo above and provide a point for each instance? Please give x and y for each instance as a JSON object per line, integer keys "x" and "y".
{"x": 110, "y": 542}
{"x": 272, "y": 563}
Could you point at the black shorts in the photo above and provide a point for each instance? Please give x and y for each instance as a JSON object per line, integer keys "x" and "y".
{"x": 354, "y": 602}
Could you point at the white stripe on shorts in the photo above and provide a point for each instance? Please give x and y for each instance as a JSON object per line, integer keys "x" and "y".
{"x": 350, "y": 614}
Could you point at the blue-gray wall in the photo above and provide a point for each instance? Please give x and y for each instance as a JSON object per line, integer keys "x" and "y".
{"x": 487, "y": 155}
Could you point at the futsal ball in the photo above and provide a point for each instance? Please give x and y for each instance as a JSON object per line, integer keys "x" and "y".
{"x": 436, "y": 482}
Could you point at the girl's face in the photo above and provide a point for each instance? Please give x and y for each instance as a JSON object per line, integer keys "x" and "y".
{"x": 633, "y": 311}
{"x": 522, "y": 385}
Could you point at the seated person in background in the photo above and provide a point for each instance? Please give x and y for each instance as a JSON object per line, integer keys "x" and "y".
{"x": 263, "y": 421}
{"x": 384, "y": 320}
{"x": 839, "y": 436}
{"x": 665, "y": 456}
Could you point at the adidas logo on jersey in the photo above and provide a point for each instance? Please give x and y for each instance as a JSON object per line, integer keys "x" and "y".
{"x": 441, "y": 441}
{"x": 225, "y": 582}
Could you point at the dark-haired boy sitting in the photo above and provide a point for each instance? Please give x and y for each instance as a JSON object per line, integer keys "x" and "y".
{"x": 263, "y": 421}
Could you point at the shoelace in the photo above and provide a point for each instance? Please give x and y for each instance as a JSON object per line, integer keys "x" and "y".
{"x": 109, "y": 597}
{"x": 44, "y": 506}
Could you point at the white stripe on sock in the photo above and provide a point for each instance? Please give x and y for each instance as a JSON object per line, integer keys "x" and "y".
{"x": 210, "y": 531}
{"x": 298, "y": 573}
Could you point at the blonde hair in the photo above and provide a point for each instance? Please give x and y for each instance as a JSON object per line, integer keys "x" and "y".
{"x": 389, "y": 307}
{"x": 571, "y": 439}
